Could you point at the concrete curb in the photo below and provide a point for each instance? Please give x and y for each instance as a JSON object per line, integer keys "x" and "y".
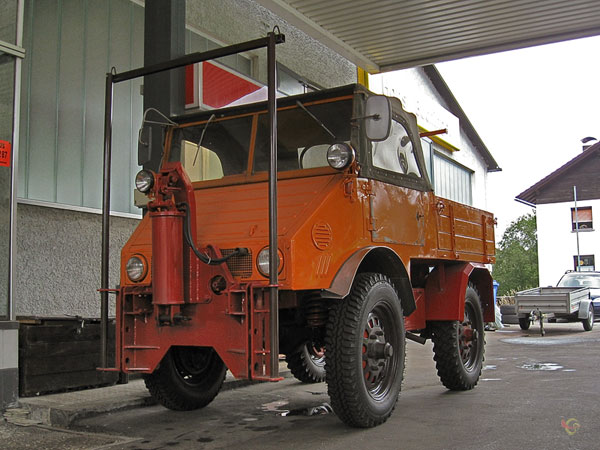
{"x": 62, "y": 410}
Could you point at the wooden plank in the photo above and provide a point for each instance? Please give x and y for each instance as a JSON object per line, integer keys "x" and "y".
{"x": 469, "y": 245}
{"x": 51, "y": 349}
{"x": 61, "y": 332}
{"x": 34, "y": 385}
{"x": 59, "y": 354}
{"x": 468, "y": 229}
{"x": 62, "y": 364}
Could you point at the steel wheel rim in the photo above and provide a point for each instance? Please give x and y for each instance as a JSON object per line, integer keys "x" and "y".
{"x": 316, "y": 355}
{"x": 468, "y": 339}
{"x": 193, "y": 364}
{"x": 379, "y": 371}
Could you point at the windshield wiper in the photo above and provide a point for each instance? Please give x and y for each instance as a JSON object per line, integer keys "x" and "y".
{"x": 315, "y": 118}
{"x": 212, "y": 116}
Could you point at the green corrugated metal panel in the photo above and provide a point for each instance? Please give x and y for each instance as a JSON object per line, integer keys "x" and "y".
{"x": 71, "y": 45}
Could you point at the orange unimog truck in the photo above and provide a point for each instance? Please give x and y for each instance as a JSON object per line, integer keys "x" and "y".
{"x": 367, "y": 256}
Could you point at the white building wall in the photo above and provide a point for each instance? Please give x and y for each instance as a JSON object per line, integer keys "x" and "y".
{"x": 418, "y": 96}
{"x": 557, "y": 242}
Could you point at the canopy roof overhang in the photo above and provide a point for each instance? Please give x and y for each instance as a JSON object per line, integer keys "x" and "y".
{"x": 385, "y": 35}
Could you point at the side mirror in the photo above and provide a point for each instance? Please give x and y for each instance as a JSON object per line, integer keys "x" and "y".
{"x": 378, "y": 120}
{"x": 144, "y": 144}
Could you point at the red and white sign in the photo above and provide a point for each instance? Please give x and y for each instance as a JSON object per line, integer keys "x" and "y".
{"x": 4, "y": 154}
{"x": 211, "y": 85}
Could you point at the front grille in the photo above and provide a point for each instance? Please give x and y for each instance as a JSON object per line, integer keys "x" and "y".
{"x": 239, "y": 266}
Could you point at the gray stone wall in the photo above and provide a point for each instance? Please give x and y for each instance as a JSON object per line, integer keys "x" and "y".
{"x": 236, "y": 21}
{"x": 57, "y": 263}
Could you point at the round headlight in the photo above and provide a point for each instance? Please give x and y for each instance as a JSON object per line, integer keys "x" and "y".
{"x": 144, "y": 181}
{"x": 262, "y": 261}
{"x": 340, "y": 156}
{"x": 136, "y": 268}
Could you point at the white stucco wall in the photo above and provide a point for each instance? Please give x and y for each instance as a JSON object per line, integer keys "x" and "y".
{"x": 413, "y": 87}
{"x": 557, "y": 243}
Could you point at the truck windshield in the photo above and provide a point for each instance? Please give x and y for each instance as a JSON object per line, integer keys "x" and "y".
{"x": 304, "y": 133}
{"x": 223, "y": 151}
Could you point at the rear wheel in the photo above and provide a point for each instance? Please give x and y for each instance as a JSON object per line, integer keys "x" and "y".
{"x": 588, "y": 323}
{"x": 187, "y": 378}
{"x": 365, "y": 343}
{"x": 458, "y": 347}
{"x": 307, "y": 363}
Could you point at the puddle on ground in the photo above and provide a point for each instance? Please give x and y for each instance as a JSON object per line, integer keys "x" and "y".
{"x": 319, "y": 410}
{"x": 274, "y": 406}
{"x": 489, "y": 367}
{"x": 546, "y": 341}
{"x": 541, "y": 366}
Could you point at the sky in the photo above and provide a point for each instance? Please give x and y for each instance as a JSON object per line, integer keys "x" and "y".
{"x": 531, "y": 107}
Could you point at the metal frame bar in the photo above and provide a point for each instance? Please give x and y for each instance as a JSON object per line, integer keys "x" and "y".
{"x": 270, "y": 41}
{"x": 13, "y": 50}
{"x": 10, "y": 311}
{"x": 273, "y": 246}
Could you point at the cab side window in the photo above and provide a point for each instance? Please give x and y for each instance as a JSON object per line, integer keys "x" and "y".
{"x": 396, "y": 154}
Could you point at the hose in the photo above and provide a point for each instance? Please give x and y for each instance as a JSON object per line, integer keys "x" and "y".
{"x": 187, "y": 231}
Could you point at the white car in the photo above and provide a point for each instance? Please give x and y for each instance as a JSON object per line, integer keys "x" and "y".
{"x": 590, "y": 280}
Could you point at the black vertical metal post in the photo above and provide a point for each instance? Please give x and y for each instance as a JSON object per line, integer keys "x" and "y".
{"x": 273, "y": 246}
{"x": 577, "y": 266}
{"x": 111, "y": 79}
{"x": 106, "y": 220}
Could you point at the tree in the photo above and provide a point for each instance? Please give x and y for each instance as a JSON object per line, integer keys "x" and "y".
{"x": 516, "y": 265}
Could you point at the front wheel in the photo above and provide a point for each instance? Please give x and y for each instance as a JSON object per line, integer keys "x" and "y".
{"x": 364, "y": 360}
{"x": 187, "y": 378}
{"x": 588, "y": 323}
{"x": 458, "y": 347}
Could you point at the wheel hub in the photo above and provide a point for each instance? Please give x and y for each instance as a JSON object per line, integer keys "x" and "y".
{"x": 467, "y": 340}
{"x": 376, "y": 351}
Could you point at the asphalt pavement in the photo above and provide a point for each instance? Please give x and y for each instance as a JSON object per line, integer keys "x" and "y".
{"x": 535, "y": 392}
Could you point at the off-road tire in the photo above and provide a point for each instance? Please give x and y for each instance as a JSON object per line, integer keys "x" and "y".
{"x": 524, "y": 323}
{"x": 305, "y": 365}
{"x": 364, "y": 389}
{"x": 458, "y": 347}
{"x": 187, "y": 378}
{"x": 588, "y": 323}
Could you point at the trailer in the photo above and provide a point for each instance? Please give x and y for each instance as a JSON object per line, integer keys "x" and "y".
{"x": 571, "y": 303}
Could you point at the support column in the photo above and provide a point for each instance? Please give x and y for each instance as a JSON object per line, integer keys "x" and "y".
{"x": 164, "y": 39}
{"x": 11, "y": 55}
